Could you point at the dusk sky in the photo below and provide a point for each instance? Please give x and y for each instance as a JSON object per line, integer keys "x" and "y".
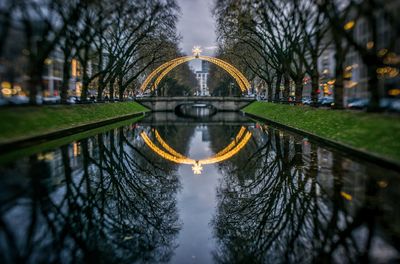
{"x": 196, "y": 27}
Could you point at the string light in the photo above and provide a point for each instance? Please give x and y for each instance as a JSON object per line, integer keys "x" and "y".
{"x": 170, "y": 154}
{"x": 170, "y": 68}
{"x": 165, "y": 68}
{"x": 155, "y": 72}
{"x": 196, "y": 51}
{"x": 233, "y": 143}
{"x": 167, "y": 147}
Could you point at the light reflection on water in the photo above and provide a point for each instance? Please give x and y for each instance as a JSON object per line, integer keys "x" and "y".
{"x": 197, "y": 202}
{"x": 280, "y": 199}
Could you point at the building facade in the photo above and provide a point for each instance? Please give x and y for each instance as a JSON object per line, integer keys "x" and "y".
{"x": 202, "y": 78}
{"x": 355, "y": 71}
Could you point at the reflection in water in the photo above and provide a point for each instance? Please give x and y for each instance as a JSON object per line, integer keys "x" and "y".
{"x": 278, "y": 199}
{"x": 99, "y": 200}
{"x": 293, "y": 202}
{"x": 196, "y": 111}
{"x": 170, "y": 154}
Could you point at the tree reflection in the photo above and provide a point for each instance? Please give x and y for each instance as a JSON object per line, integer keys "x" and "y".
{"x": 292, "y": 202}
{"x": 100, "y": 200}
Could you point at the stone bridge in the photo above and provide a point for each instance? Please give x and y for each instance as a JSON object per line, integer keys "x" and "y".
{"x": 161, "y": 104}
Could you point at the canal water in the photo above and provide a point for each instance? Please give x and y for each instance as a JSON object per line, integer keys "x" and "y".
{"x": 218, "y": 189}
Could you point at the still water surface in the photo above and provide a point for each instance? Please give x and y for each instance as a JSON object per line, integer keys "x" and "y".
{"x": 223, "y": 189}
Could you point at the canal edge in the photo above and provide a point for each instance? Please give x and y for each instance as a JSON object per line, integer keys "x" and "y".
{"x": 30, "y": 141}
{"x": 361, "y": 154}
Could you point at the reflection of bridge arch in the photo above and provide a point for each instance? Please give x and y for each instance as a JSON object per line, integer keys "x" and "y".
{"x": 165, "y": 68}
{"x": 168, "y": 153}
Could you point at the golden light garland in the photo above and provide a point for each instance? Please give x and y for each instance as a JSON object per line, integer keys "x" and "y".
{"x": 157, "y": 71}
{"x": 170, "y": 68}
{"x": 233, "y": 143}
{"x": 170, "y": 154}
{"x": 165, "y": 68}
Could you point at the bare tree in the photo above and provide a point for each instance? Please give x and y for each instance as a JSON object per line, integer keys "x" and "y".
{"x": 272, "y": 30}
{"x": 314, "y": 41}
{"x": 44, "y": 24}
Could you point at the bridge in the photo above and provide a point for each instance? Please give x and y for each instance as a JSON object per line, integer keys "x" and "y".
{"x": 162, "y": 104}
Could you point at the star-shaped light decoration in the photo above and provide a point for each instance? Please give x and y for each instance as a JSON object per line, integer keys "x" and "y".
{"x": 197, "y": 168}
{"x": 196, "y": 51}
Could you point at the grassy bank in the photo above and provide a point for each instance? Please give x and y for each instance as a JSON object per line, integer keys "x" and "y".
{"x": 52, "y": 144}
{"x": 24, "y": 122}
{"x": 376, "y": 133}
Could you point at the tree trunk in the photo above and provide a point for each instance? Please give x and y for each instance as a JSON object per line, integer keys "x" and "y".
{"x": 286, "y": 90}
{"x": 85, "y": 77}
{"x": 66, "y": 77}
{"x": 299, "y": 90}
{"x": 121, "y": 89}
{"x": 35, "y": 79}
{"x": 100, "y": 83}
{"x": 100, "y": 88}
{"x": 339, "y": 83}
{"x": 371, "y": 59}
{"x": 314, "y": 88}
{"x": 269, "y": 91}
{"x": 298, "y": 156}
{"x": 85, "y": 86}
{"x": 112, "y": 89}
{"x": 373, "y": 84}
{"x": 277, "y": 87}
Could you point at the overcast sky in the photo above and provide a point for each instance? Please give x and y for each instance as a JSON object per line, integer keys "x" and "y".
{"x": 196, "y": 27}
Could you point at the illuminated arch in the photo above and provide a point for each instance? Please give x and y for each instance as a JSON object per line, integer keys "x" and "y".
{"x": 165, "y": 68}
{"x": 168, "y": 153}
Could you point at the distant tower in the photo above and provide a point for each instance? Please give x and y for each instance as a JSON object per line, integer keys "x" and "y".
{"x": 205, "y": 66}
{"x": 202, "y": 77}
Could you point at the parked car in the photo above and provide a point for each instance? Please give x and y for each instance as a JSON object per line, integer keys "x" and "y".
{"x": 51, "y": 100}
{"x": 390, "y": 104}
{"x": 3, "y": 101}
{"x": 395, "y": 105}
{"x": 306, "y": 101}
{"x": 325, "y": 101}
{"x": 73, "y": 100}
{"x": 358, "y": 104}
{"x": 350, "y": 100}
{"x": 385, "y": 103}
{"x": 18, "y": 100}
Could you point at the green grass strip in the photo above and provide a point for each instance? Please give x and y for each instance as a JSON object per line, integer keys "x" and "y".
{"x": 24, "y": 122}
{"x": 53, "y": 144}
{"x": 376, "y": 133}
